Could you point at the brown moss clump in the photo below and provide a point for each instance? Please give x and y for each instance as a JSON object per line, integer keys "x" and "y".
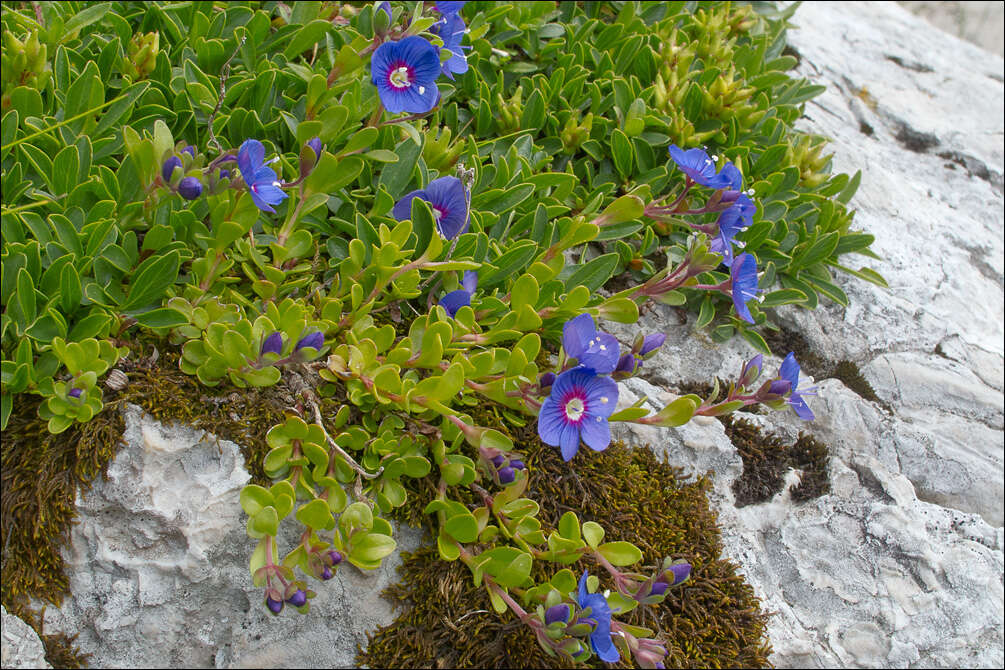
{"x": 766, "y": 459}
{"x": 714, "y": 620}
{"x": 812, "y": 457}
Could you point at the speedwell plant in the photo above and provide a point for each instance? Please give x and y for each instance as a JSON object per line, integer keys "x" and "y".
{"x": 398, "y": 214}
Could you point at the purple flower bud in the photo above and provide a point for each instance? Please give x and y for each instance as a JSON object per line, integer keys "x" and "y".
{"x": 680, "y": 572}
{"x": 517, "y": 464}
{"x": 315, "y": 144}
{"x": 335, "y": 556}
{"x": 315, "y": 341}
{"x": 751, "y": 370}
{"x": 506, "y": 475}
{"x": 168, "y": 167}
{"x": 626, "y": 364}
{"x": 659, "y": 588}
{"x": 327, "y": 573}
{"x": 652, "y": 342}
{"x": 273, "y": 344}
{"x": 224, "y": 174}
{"x": 190, "y": 150}
{"x": 559, "y": 612}
{"x": 75, "y": 393}
{"x": 498, "y": 460}
{"x": 546, "y": 380}
{"x": 190, "y": 188}
{"x": 780, "y": 387}
{"x": 275, "y": 606}
{"x": 298, "y": 599}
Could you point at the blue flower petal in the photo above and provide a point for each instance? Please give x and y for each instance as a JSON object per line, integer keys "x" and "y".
{"x": 602, "y": 353}
{"x": 576, "y": 335}
{"x": 789, "y": 370}
{"x": 470, "y": 281}
{"x": 597, "y": 389}
{"x": 803, "y": 410}
{"x": 454, "y": 300}
{"x": 731, "y": 173}
{"x": 249, "y": 158}
{"x": 550, "y": 422}
{"x": 596, "y": 432}
{"x": 569, "y": 441}
{"x": 403, "y": 208}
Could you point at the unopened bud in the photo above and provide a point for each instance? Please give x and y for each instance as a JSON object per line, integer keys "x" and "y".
{"x": 190, "y": 188}
{"x": 559, "y": 612}
{"x": 298, "y": 599}
{"x": 275, "y": 606}
{"x": 167, "y": 169}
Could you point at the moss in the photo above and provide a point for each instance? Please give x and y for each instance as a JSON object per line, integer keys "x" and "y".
{"x": 714, "y": 620}
{"x": 765, "y": 461}
{"x": 812, "y": 457}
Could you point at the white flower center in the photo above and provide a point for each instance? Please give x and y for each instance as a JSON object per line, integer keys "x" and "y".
{"x": 438, "y": 213}
{"x": 400, "y": 78}
{"x": 574, "y": 409}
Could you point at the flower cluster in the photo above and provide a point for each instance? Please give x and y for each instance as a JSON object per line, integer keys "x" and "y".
{"x": 582, "y": 397}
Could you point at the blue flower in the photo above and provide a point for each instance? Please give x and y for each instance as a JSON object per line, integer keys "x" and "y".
{"x": 730, "y": 223}
{"x": 405, "y": 73}
{"x": 386, "y": 8}
{"x": 261, "y": 180}
{"x": 600, "y": 612}
{"x": 789, "y": 372}
{"x": 448, "y": 6}
{"x": 578, "y": 407}
{"x": 733, "y": 177}
{"x": 743, "y": 284}
{"x": 454, "y": 300}
{"x": 696, "y": 164}
{"x": 451, "y": 29}
{"x": 597, "y": 351}
{"x": 449, "y": 201}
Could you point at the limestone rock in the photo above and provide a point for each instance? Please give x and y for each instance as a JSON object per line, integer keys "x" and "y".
{"x": 21, "y": 647}
{"x": 158, "y": 567}
{"x": 902, "y": 563}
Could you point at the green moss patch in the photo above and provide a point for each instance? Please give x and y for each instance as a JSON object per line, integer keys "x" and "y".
{"x": 714, "y": 620}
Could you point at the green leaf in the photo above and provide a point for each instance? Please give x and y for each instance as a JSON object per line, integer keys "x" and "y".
{"x": 371, "y": 548}
{"x": 395, "y": 177}
{"x": 593, "y": 533}
{"x": 517, "y": 572}
{"x": 594, "y": 274}
{"x": 568, "y": 526}
{"x": 462, "y": 527}
{"x": 151, "y": 280}
{"x": 25, "y": 296}
{"x": 307, "y": 37}
{"x": 620, "y": 553}
{"x": 162, "y": 317}
{"x": 86, "y": 17}
{"x": 316, "y": 515}
{"x": 509, "y": 264}
{"x": 622, "y": 152}
{"x": 849, "y": 191}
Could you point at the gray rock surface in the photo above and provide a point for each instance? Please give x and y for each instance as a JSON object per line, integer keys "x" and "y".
{"x": 158, "y": 567}
{"x": 902, "y": 563}
{"x": 20, "y": 646}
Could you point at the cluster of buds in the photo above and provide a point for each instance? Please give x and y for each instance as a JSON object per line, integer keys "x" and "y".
{"x": 576, "y": 132}
{"x": 501, "y": 466}
{"x": 141, "y": 56}
{"x": 24, "y": 64}
{"x": 644, "y": 347}
{"x": 438, "y": 152}
{"x": 173, "y": 170}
